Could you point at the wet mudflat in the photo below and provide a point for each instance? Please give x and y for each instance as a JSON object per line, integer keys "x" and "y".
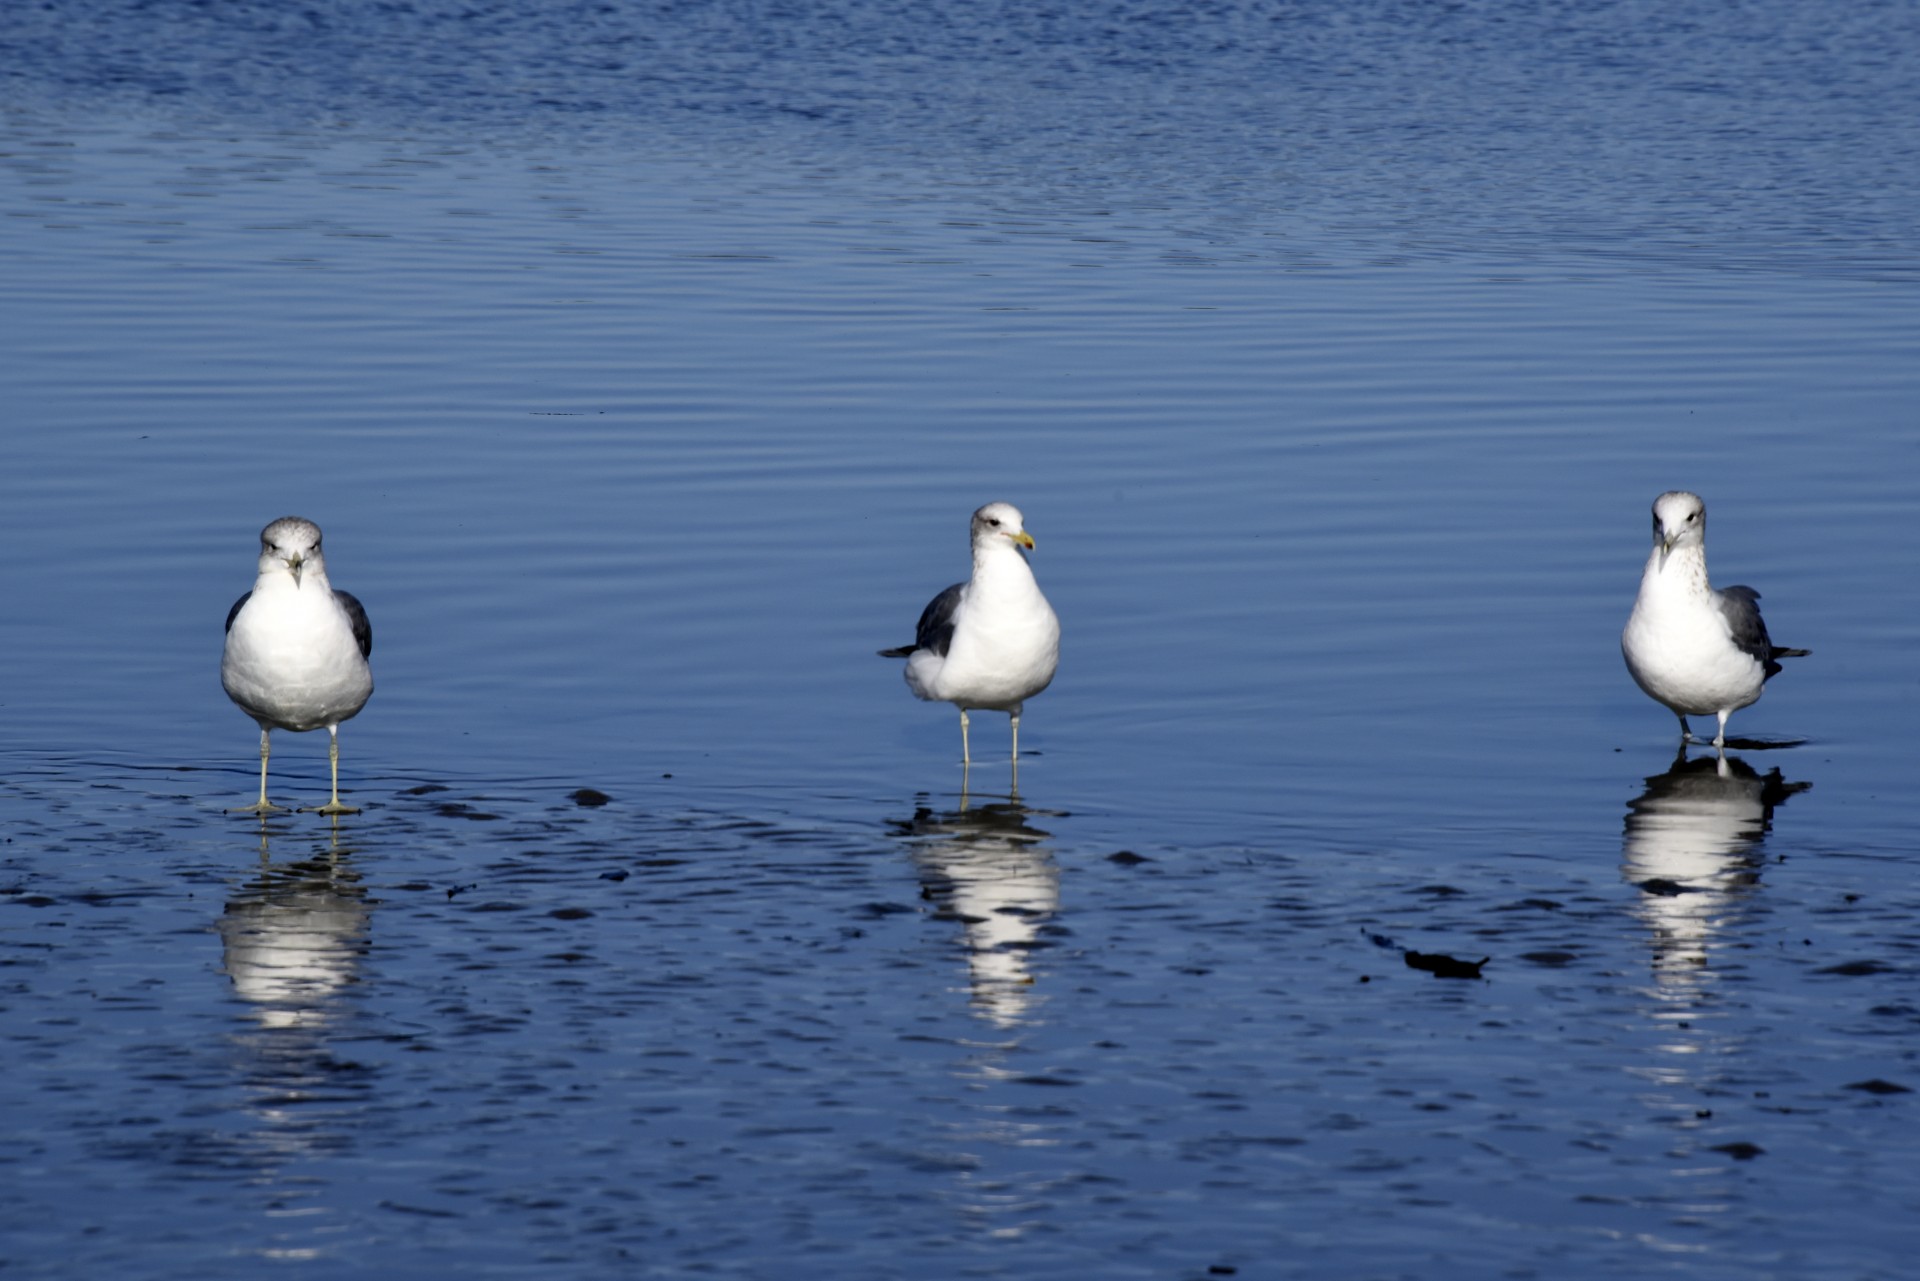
{"x": 486, "y": 1027}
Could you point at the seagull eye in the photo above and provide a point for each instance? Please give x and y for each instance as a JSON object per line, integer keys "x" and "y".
{"x": 994, "y": 521}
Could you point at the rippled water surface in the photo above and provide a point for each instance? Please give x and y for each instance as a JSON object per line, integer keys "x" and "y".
{"x": 643, "y": 363}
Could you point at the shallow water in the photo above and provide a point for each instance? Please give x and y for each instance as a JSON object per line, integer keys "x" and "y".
{"x": 642, "y": 367}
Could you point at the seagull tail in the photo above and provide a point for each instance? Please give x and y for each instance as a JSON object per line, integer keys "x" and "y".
{"x": 906, "y": 650}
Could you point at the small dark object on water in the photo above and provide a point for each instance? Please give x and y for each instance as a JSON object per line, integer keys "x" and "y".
{"x": 1442, "y": 966}
{"x": 1662, "y": 886}
{"x": 1877, "y": 1086}
{"x": 590, "y": 798}
{"x": 1126, "y": 858}
{"x": 1222, "y": 1270}
{"x": 613, "y": 876}
{"x": 1741, "y": 1151}
{"x": 570, "y": 913}
{"x": 459, "y": 889}
{"x": 1857, "y": 969}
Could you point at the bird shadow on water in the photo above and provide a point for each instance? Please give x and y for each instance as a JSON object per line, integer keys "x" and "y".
{"x": 1763, "y": 744}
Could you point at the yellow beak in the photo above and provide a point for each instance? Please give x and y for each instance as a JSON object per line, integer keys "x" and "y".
{"x": 1023, "y": 538}
{"x": 294, "y": 562}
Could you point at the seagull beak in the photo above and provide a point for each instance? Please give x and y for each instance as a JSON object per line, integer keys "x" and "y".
{"x": 294, "y": 564}
{"x": 1023, "y": 538}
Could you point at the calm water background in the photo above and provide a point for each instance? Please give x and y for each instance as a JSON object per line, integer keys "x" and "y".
{"x": 642, "y": 364}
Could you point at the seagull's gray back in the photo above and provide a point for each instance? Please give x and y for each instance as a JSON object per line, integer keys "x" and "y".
{"x": 237, "y": 607}
{"x": 935, "y": 631}
{"x": 356, "y": 617}
{"x": 1741, "y": 607}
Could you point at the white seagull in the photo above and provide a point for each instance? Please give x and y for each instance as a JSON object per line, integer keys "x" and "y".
{"x": 297, "y": 647}
{"x": 1700, "y": 651}
{"x": 991, "y": 642}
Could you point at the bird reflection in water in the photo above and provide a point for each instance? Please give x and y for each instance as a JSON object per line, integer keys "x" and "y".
{"x": 1693, "y": 846}
{"x": 986, "y": 867}
{"x": 293, "y": 936}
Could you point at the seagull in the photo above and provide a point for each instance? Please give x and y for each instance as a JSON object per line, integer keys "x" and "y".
{"x": 991, "y": 642}
{"x": 1700, "y": 651}
{"x": 297, "y": 647}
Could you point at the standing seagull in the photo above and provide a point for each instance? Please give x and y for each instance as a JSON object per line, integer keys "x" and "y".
{"x": 297, "y": 648}
{"x": 1700, "y": 651}
{"x": 991, "y": 642}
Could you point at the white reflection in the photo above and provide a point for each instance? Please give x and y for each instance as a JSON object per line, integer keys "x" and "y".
{"x": 293, "y": 937}
{"x": 992, "y": 871}
{"x": 1693, "y": 846}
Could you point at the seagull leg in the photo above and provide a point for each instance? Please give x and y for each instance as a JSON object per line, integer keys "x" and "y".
{"x": 333, "y": 754}
{"x": 1686, "y": 730}
{"x": 966, "y": 755}
{"x": 263, "y": 806}
{"x": 1720, "y": 739}
{"x": 1015, "y": 714}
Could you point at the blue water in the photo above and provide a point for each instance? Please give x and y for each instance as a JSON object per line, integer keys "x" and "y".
{"x": 643, "y": 364}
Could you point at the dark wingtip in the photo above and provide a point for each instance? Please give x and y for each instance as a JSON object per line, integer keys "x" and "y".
{"x": 1791, "y": 653}
{"x": 235, "y": 611}
{"x": 902, "y": 652}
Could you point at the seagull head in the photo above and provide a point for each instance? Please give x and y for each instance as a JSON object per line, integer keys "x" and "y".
{"x": 998, "y": 521}
{"x": 1679, "y": 520}
{"x": 290, "y": 544}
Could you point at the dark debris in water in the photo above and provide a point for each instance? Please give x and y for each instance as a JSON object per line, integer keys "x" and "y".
{"x": 589, "y": 798}
{"x": 1438, "y": 964}
{"x": 1878, "y": 1086}
{"x": 400, "y": 1207}
{"x": 1127, "y": 858}
{"x": 1740, "y": 1151}
{"x": 1663, "y": 887}
{"x": 459, "y": 809}
{"x": 1857, "y": 969}
{"x": 1442, "y": 966}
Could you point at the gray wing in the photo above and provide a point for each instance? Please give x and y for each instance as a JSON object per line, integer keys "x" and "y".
{"x": 357, "y": 616}
{"x": 235, "y": 611}
{"x": 935, "y": 631}
{"x": 1741, "y": 606}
